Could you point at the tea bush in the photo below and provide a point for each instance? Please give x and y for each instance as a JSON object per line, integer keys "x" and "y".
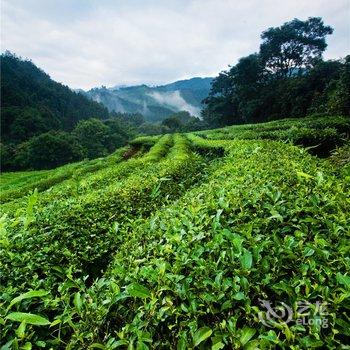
{"x": 321, "y": 134}
{"x": 267, "y": 224}
{"x": 183, "y": 245}
{"x": 43, "y": 180}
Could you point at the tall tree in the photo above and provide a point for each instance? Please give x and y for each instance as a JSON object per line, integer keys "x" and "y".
{"x": 287, "y": 78}
{"x": 294, "y": 45}
{"x": 339, "y": 95}
{"x": 48, "y": 150}
{"x": 92, "y": 135}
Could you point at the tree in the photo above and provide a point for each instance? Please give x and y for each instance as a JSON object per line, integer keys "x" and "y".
{"x": 294, "y": 45}
{"x": 173, "y": 124}
{"x": 48, "y": 150}
{"x": 339, "y": 94}
{"x": 92, "y": 135}
{"x": 30, "y": 122}
{"x": 220, "y": 104}
{"x": 235, "y": 94}
{"x": 183, "y": 116}
{"x": 119, "y": 133}
{"x": 151, "y": 129}
{"x": 287, "y": 78}
{"x": 6, "y": 157}
{"x": 33, "y": 104}
{"x": 134, "y": 119}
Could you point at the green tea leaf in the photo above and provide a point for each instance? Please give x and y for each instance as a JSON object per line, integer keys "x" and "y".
{"x": 182, "y": 343}
{"x": 217, "y": 343}
{"x": 31, "y": 294}
{"x": 138, "y": 291}
{"x": 54, "y": 323}
{"x": 300, "y": 174}
{"x": 27, "y": 346}
{"x": 77, "y": 301}
{"x": 20, "y": 331}
{"x": 201, "y": 335}
{"x": 308, "y": 251}
{"x": 40, "y": 343}
{"x": 246, "y": 260}
{"x": 344, "y": 280}
{"x": 310, "y": 342}
{"x": 239, "y": 296}
{"x": 28, "y": 318}
{"x": 218, "y": 346}
{"x": 141, "y": 346}
{"x": 246, "y": 334}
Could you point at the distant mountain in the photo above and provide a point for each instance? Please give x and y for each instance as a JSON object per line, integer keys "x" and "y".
{"x": 155, "y": 103}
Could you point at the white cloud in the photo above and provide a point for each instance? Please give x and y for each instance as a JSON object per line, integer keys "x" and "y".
{"x": 86, "y": 43}
{"x": 174, "y": 100}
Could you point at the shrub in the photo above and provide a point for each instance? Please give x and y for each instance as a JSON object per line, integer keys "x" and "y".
{"x": 48, "y": 150}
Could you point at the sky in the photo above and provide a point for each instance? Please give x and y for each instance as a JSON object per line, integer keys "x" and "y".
{"x": 89, "y": 43}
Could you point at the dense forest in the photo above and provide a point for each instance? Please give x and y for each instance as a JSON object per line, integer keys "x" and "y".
{"x": 45, "y": 124}
{"x": 286, "y": 78}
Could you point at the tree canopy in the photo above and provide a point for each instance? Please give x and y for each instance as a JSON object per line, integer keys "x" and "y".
{"x": 286, "y": 78}
{"x": 294, "y": 45}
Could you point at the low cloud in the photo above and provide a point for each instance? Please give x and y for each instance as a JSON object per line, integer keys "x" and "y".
{"x": 174, "y": 100}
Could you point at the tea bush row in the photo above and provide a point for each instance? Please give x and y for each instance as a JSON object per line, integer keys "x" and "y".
{"x": 270, "y": 224}
{"x": 62, "y": 243}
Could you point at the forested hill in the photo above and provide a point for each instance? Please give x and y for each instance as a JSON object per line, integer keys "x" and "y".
{"x": 45, "y": 124}
{"x": 33, "y": 103}
{"x": 155, "y": 102}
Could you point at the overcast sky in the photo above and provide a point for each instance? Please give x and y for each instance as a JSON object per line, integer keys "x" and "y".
{"x": 88, "y": 43}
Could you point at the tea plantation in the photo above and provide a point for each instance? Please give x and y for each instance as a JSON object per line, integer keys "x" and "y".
{"x": 233, "y": 238}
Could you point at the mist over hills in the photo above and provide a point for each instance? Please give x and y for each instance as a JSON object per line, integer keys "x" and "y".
{"x": 155, "y": 103}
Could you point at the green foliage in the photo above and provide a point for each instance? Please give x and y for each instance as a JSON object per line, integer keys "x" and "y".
{"x": 24, "y": 85}
{"x": 135, "y": 119}
{"x": 35, "y": 320}
{"x": 38, "y": 116}
{"x": 151, "y": 129}
{"x": 92, "y": 135}
{"x": 294, "y": 45}
{"x": 320, "y": 134}
{"x": 49, "y": 150}
{"x": 338, "y": 92}
{"x": 172, "y": 123}
{"x": 173, "y": 247}
{"x": 19, "y": 184}
{"x": 341, "y": 155}
{"x": 286, "y": 78}
{"x": 182, "y": 122}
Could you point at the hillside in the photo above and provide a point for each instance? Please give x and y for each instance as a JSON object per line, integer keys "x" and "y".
{"x": 30, "y": 99}
{"x": 45, "y": 124}
{"x": 182, "y": 241}
{"x": 155, "y": 103}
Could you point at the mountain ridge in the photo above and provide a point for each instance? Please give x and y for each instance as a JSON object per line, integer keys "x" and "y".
{"x": 154, "y": 102}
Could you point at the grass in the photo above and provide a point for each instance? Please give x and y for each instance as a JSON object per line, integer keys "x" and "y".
{"x": 179, "y": 246}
